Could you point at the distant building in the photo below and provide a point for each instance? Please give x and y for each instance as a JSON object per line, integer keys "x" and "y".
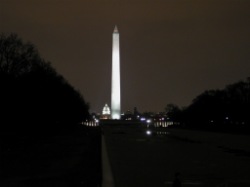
{"x": 128, "y": 115}
{"x": 106, "y": 114}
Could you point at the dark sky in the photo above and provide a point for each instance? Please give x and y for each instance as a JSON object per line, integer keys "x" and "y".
{"x": 171, "y": 50}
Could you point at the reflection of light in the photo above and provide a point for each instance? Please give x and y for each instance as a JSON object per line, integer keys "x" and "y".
{"x": 162, "y": 133}
{"x": 148, "y": 132}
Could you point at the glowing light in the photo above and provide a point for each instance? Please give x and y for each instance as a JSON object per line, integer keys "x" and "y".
{"x": 148, "y": 132}
{"x": 143, "y": 119}
{"x": 115, "y": 95}
{"x": 115, "y": 116}
{"x": 106, "y": 110}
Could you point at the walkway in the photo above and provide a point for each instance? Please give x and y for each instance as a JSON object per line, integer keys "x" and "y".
{"x": 203, "y": 159}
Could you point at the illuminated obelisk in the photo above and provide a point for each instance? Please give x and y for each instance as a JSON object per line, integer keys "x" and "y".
{"x": 115, "y": 92}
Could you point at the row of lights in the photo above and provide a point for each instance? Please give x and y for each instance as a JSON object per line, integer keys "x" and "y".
{"x": 91, "y": 123}
{"x": 160, "y": 123}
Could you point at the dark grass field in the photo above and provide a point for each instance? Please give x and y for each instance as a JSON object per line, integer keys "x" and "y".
{"x": 66, "y": 158}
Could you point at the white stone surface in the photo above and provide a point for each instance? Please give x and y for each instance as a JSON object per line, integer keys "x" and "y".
{"x": 115, "y": 92}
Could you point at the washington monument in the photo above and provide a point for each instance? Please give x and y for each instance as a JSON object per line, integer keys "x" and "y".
{"x": 115, "y": 92}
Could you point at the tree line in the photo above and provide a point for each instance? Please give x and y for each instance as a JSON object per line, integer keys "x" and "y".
{"x": 228, "y": 107}
{"x": 33, "y": 94}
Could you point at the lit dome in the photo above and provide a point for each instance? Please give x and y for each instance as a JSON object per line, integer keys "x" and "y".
{"x": 106, "y": 110}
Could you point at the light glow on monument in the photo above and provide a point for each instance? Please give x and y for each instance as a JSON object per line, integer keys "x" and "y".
{"x": 115, "y": 92}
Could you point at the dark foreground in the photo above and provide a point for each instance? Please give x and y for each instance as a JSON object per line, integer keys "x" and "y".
{"x": 73, "y": 158}
{"x": 66, "y": 159}
{"x": 203, "y": 159}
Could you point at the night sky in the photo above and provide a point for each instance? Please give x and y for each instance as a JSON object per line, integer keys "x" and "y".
{"x": 171, "y": 50}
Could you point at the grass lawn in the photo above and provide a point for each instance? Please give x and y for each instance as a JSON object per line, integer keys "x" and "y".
{"x": 69, "y": 158}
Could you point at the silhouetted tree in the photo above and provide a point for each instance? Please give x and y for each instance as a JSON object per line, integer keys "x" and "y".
{"x": 206, "y": 108}
{"x": 225, "y": 108}
{"x": 173, "y": 112}
{"x": 32, "y": 92}
{"x": 148, "y": 114}
{"x": 238, "y": 101}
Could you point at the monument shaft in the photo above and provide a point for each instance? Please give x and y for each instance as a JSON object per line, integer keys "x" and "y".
{"x": 115, "y": 92}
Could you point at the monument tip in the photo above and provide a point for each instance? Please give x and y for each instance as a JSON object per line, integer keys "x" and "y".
{"x": 116, "y": 29}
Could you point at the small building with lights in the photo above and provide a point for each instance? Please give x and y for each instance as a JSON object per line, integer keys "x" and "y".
{"x": 106, "y": 113}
